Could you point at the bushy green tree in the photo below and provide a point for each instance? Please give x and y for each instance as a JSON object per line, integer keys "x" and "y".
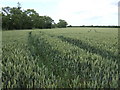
{"x": 62, "y": 23}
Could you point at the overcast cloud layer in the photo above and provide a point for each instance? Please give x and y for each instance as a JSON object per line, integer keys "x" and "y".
{"x": 75, "y": 12}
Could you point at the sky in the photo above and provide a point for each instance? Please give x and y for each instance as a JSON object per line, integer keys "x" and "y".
{"x": 75, "y": 12}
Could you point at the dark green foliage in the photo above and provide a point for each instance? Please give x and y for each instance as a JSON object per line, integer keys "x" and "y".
{"x": 15, "y": 18}
{"x": 62, "y": 23}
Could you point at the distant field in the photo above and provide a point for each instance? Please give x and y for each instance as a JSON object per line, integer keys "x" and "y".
{"x": 60, "y": 58}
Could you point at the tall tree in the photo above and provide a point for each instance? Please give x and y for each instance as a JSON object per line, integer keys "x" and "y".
{"x": 16, "y": 18}
{"x": 48, "y": 22}
{"x": 26, "y": 21}
{"x": 31, "y": 13}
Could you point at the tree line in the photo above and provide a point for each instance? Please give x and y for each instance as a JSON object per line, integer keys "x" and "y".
{"x": 16, "y": 18}
{"x": 96, "y": 26}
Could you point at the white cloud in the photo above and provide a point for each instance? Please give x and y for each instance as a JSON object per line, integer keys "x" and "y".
{"x": 76, "y": 11}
